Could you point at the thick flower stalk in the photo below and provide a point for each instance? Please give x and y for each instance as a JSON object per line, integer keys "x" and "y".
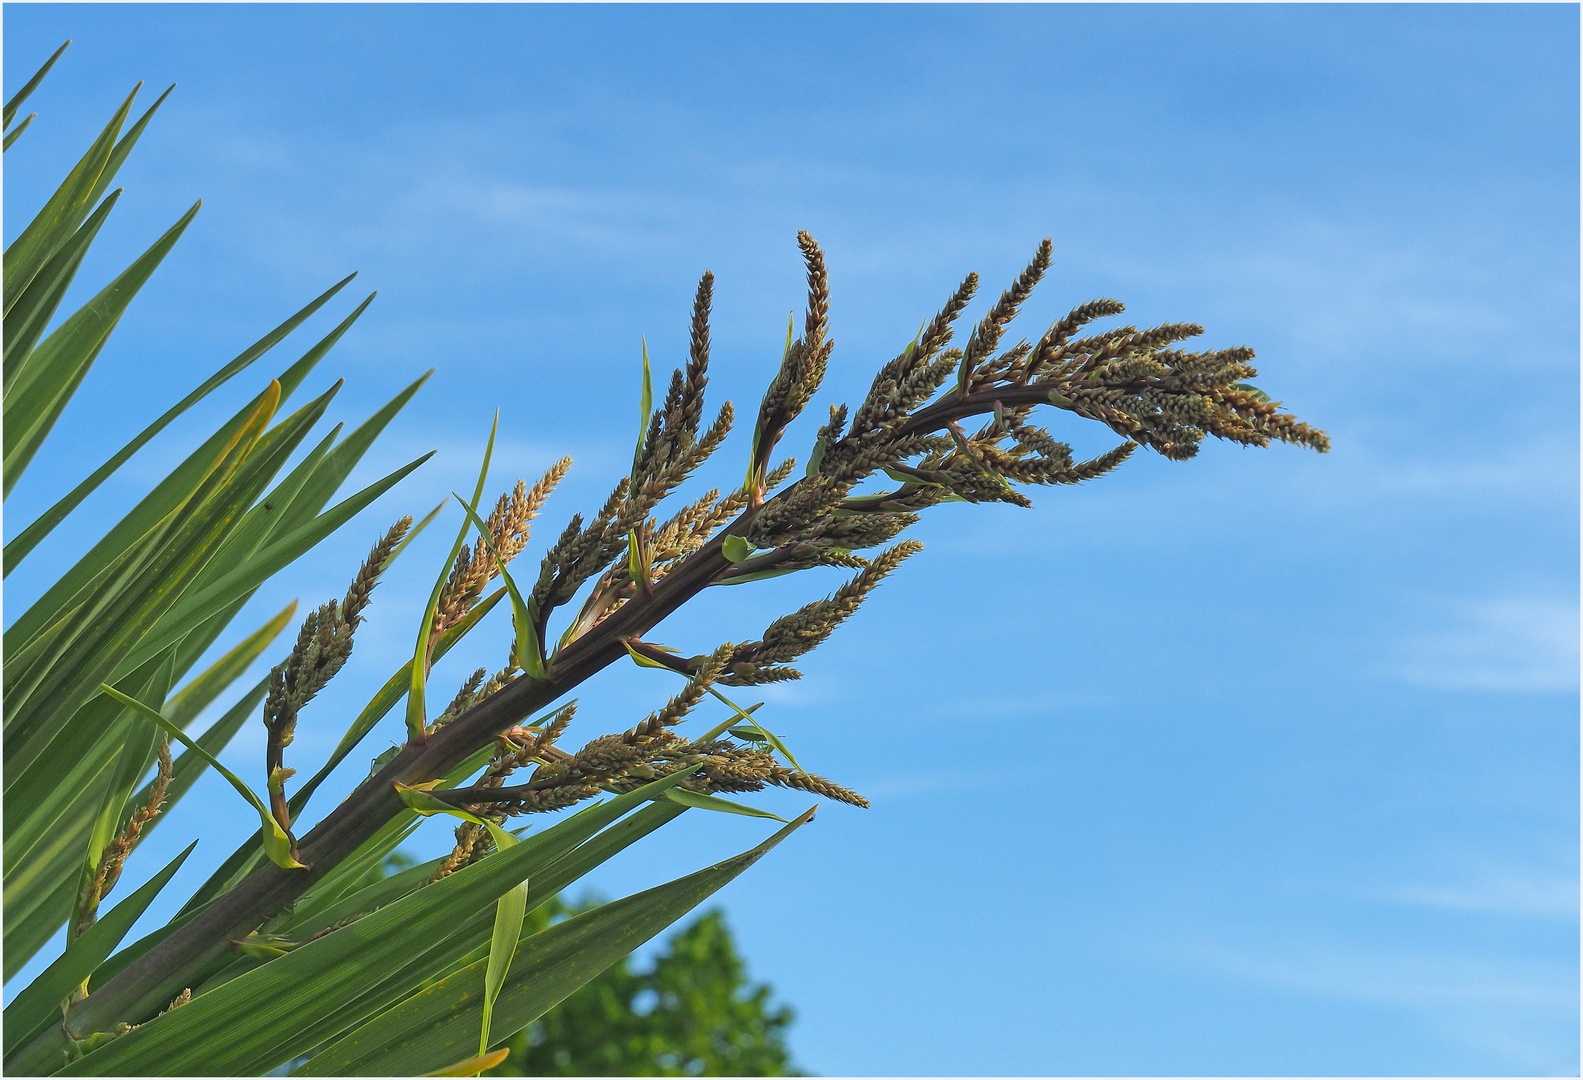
{"x": 937, "y": 425}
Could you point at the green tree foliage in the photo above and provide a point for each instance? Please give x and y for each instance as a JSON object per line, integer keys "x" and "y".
{"x": 692, "y": 1013}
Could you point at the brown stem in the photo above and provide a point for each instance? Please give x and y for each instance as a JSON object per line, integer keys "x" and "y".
{"x": 200, "y": 946}
{"x": 941, "y": 414}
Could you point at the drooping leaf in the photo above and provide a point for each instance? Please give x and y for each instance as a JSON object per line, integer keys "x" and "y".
{"x": 138, "y": 744}
{"x": 187, "y": 768}
{"x": 185, "y": 706}
{"x": 277, "y": 845}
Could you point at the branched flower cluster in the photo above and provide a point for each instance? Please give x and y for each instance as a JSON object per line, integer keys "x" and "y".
{"x": 475, "y": 567}
{"x": 918, "y": 437}
{"x": 324, "y": 642}
{"x": 108, "y": 869}
{"x": 672, "y": 451}
{"x": 1130, "y": 380}
{"x": 625, "y": 762}
{"x": 905, "y": 429}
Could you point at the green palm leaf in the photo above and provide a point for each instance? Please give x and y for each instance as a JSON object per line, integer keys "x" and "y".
{"x": 51, "y": 373}
{"x": 40, "y": 1001}
{"x": 259, "y": 1019}
{"x": 11, "y": 107}
{"x": 436, "y": 1025}
{"x": 29, "y": 538}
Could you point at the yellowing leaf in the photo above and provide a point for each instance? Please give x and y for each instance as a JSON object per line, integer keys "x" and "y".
{"x": 473, "y": 1066}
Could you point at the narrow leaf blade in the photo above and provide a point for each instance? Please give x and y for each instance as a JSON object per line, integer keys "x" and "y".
{"x": 40, "y": 1001}
{"x": 719, "y": 805}
{"x": 11, "y": 107}
{"x": 433, "y": 1026}
{"x": 417, "y": 709}
{"x": 29, "y": 538}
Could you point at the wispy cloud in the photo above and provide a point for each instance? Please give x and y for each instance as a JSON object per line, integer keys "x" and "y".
{"x": 1509, "y": 893}
{"x": 1509, "y": 1009}
{"x": 1519, "y": 643}
{"x": 1393, "y": 976}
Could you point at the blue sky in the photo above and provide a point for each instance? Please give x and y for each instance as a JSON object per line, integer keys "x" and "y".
{"x": 1262, "y": 763}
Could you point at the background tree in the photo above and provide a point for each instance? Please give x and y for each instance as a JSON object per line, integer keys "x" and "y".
{"x": 693, "y": 1012}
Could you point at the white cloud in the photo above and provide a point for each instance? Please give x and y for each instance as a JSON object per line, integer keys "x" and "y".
{"x": 1510, "y": 1009}
{"x": 1514, "y": 643}
{"x": 1545, "y": 884}
{"x": 1394, "y": 977}
{"x": 1500, "y": 893}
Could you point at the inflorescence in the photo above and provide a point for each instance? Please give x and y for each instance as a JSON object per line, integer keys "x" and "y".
{"x": 909, "y": 429}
